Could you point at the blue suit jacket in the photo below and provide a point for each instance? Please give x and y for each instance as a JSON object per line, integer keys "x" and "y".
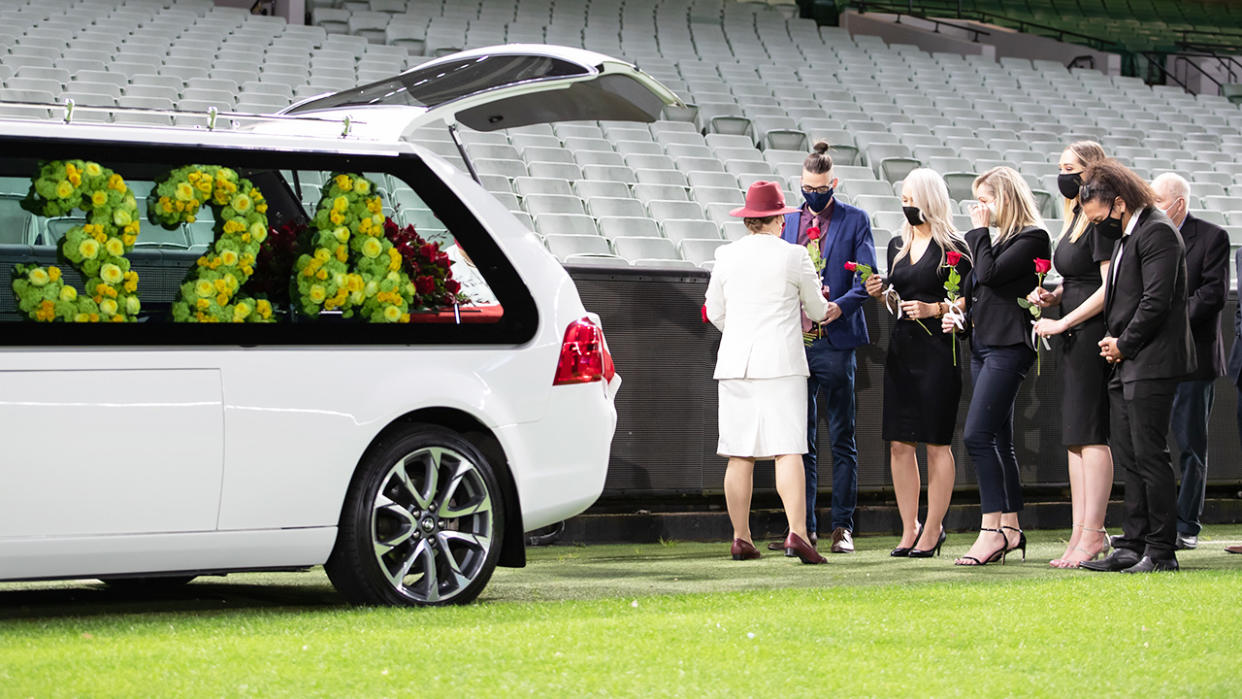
{"x": 848, "y": 239}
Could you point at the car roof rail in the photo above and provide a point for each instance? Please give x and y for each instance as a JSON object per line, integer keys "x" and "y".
{"x": 64, "y": 112}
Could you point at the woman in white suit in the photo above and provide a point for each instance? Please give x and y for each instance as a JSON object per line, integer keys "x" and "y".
{"x": 758, "y": 288}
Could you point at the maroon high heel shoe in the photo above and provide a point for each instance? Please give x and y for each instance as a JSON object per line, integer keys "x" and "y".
{"x": 744, "y": 550}
{"x": 797, "y": 546}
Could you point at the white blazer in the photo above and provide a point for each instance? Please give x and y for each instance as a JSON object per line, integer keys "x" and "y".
{"x": 758, "y": 286}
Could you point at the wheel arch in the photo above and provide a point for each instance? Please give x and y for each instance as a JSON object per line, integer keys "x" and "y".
{"x": 513, "y": 547}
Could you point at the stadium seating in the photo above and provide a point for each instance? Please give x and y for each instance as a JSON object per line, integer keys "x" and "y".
{"x": 763, "y": 84}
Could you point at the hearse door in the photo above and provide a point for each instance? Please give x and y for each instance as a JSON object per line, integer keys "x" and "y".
{"x": 107, "y": 451}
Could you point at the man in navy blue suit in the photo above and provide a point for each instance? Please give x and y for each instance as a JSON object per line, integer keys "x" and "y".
{"x": 843, "y": 234}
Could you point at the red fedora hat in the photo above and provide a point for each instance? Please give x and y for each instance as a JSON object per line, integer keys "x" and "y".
{"x": 763, "y": 199}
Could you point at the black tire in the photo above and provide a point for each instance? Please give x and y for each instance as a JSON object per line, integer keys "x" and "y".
{"x": 154, "y": 584}
{"x": 399, "y": 541}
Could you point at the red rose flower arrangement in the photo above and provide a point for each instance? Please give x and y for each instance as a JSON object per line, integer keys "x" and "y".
{"x": 428, "y": 267}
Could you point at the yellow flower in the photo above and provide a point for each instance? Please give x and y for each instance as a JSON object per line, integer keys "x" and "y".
{"x": 340, "y": 204}
{"x": 344, "y": 182}
{"x": 322, "y": 254}
{"x": 392, "y": 314}
{"x": 336, "y": 218}
{"x": 229, "y": 258}
{"x": 342, "y": 253}
{"x": 115, "y": 247}
{"x": 341, "y": 234}
{"x": 222, "y": 299}
{"x": 241, "y": 311}
{"x": 372, "y": 248}
{"x": 68, "y": 293}
{"x": 362, "y": 186}
{"x": 99, "y": 198}
{"x": 202, "y": 304}
{"x": 374, "y": 205}
{"x": 258, "y": 231}
{"x": 131, "y": 285}
{"x": 132, "y": 305}
{"x": 166, "y": 205}
{"x": 204, "y": 288}
{"x": 53, "y": 273}
{"x": 317, "y": 293}
{"x": 81, "y": 318}
{"x": 38, "y": 276}
{"x": 115, "y": 182}
{"x": 185, "y": 192}
{"x": 321, "y": 275}
{"x": 88, "y": 248}
{"x": 264, "y": 307}
{"x": 122, "y": 217}
{"x": 221, "y": 286}
{"x": 354, "y": 282}
{"x": 111, "y": 274}
{"x": 108, "y": 307}
{"x": 234, "y": 225}
{"x": 93, "y": 170}
{"x": 230, "y": 283}
{"x": 405, "y": 317}
{"x": 242, "y": 203}
{"x": 64, "y": 189}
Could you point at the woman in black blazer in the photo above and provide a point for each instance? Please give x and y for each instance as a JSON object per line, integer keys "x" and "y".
{"x": 1002, "y": 349}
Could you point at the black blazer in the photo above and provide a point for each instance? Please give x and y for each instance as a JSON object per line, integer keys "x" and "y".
{"x": 1235, "y": 355}
{"x": 1002, "y": 275}
{"x": 1145, "y": 303}
{"x": 1207, "y": 284}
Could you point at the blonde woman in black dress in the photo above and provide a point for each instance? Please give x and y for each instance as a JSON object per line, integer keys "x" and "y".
{"x": 922, "y": 385}
{"x": 1082, "y": 258}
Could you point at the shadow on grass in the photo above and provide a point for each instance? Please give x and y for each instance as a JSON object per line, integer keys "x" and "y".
{"x": 92, "y": 599}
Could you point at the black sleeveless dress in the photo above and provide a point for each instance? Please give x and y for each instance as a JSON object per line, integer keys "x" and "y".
{"x": 922, "y": 388}
{"x": 1084, "y": 373}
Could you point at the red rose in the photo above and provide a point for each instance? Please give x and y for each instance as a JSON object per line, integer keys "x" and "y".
{"x": 453, "y": 286}
{"x": 703, "y": 312}
{"x": 1042, "y": 266}
{"x": 813, "y": 232}
{"x": 425, "y": 285}
{"x": 428, "y": 251}
{"x": 851, "y": 266}
{"x": 952, "y": 257}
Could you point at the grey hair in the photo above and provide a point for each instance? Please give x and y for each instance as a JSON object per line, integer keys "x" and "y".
{"x": 1179, "y": 185}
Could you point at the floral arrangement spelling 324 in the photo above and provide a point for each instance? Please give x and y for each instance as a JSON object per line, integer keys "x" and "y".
{"x": 358, "y": 263}
{"x": 96, "y": 248}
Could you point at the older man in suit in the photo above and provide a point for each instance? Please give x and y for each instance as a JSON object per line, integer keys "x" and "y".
{"x": 1148, "y": 343}
{"x": 1207, "y": 283}
{"x": 842, "y": 234}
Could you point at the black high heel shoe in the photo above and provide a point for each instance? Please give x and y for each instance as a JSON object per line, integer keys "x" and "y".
{"x": 904, "y": 551}
{"x": 999, "y": 554}
{"x": 928, "y": 553}
{"x": 1021, "y": 541}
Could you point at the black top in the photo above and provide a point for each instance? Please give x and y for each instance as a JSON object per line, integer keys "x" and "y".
{"x": 1145, "y": 306}
{"x": 923, "y": 280}
{"x": 1078, "y": 263}
{"x": 1002, "y": 275}
{"x": 1207, "y": 283}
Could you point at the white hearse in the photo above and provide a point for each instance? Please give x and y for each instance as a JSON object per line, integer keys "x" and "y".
{"x": 407, "y": 457}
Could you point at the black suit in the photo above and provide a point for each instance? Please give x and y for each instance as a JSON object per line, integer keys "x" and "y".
{"x": 1207, "y": 283}
{"x": 1145, "y": 309}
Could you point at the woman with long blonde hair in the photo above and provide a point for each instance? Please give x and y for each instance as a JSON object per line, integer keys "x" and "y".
{"x": 922, "y": 382}
{"x": 1002, "y": 350}
{"x": 1082, "y": 258}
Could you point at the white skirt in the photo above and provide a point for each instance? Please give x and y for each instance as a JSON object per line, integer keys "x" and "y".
{"x": 762, "y": 418}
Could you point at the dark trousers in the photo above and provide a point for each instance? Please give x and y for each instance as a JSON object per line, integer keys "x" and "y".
{"x": 1192, "y": 405}
{"x": 832, "y": 371}
{"x": 988, "y": 434}
{"x": 1138, "y": 425}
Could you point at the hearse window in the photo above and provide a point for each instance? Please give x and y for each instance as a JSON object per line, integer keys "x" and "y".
{"x": 445, "y": 82}
{"x": 211, "y": 247}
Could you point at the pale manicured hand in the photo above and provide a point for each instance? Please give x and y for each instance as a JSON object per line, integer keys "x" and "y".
{"x": 980, "y": 216}
{"x": 917, "y": 309}
{"x": 1046, "y": 327}
{"x": 874, "y": 285}
{"x": 947, "y": 325}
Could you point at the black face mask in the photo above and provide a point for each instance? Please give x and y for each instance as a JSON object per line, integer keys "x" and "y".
{"x": 1069, "y": 183}
{"x": 1110, "y": 227}
{"x": 913, "y": 214}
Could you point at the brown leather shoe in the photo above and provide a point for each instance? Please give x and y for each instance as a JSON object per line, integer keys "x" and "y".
{"x": 1236, "y": 548}
{"x": 842, "y": 540}
{"x": 779, "y": 544}
{"x": 744, "y": 550}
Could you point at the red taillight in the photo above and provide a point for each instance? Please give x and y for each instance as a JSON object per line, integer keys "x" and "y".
{"x": 584, "y": 358}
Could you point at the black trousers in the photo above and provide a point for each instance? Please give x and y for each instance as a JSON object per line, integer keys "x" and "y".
{"x": 1139, "y": 425}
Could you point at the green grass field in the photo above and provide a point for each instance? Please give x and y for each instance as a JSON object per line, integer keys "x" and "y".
{"x": 665, "y": 619}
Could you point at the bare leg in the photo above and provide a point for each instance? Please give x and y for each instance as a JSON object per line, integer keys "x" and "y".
{"x": 1077, "y": 502}
{"x": 988, "y": 542}
{"x": 940, "y": 475}
{"x": 791, "y": 485}
{"x": 905, "y": 465}
{"x": 738, "y": 484}
{"x": 1097, "y": 467}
